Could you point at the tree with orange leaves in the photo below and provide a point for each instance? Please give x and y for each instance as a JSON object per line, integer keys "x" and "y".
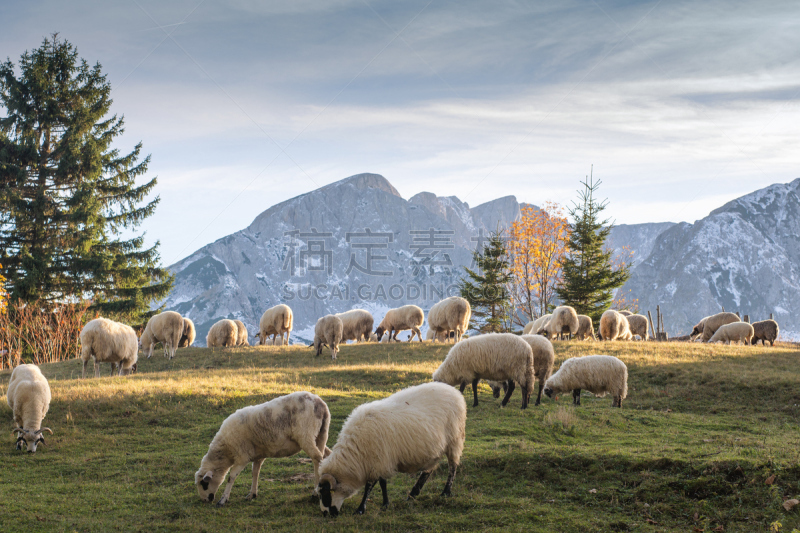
{"x": 536, "y": 247}
{"x": 3, "y": 294}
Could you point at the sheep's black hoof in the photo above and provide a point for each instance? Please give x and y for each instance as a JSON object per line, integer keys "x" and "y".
{"x": 446, "y": 493}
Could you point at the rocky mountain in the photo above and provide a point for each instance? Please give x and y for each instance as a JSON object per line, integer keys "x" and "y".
{"x": 358, "y": 243}
{"x": 743, "y": 256}
{"x": 353, "y": 243}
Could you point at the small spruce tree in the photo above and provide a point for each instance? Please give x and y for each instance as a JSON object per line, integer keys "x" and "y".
{"x": 589, "y": 275}
{"x": 69, "y": 200}
{"x": 486, "y": 289}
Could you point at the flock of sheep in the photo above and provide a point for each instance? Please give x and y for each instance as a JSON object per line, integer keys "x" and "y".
{"x": 411, "y": 430}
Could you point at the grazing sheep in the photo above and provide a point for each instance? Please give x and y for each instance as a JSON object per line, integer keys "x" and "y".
{"x": 533, "y": 328}
{"x": 450, "y": 314}
{"x": 714, "y": 322}
{"x": 735, "y": 331}
{"x": 698, "y": 329}
{"x": 276, "y": 321}
{"x": 189, "y": 333}
{"x": 356, "y": 324}
{"x": 599, "y": 374}
{"x": 277, "y": 428}
{"x": 543, "y": 359}
{"x": 166, "y": 328}
{"x": 241, "y": 333}
{"x": 614, "y": 326}
{"x": 564, "y": 320}
{"x": 400, "y": 319}
{"x": 223, "y": 334}
{"x": 766, "y": 330}
{"x": 638, "y": 325}
{"x": 328, "y": 332}
{"x": 494, "y": 356}
{"x": 585, "y": 328}
{"x": 28, "y": 396}
{"x": 625, "y": 312}
{"x": 109, "y": 342}
{"x": 407, "y": 432}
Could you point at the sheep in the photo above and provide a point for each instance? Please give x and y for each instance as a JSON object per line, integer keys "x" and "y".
{"x": 533, "y": 328}
{"x": 735, "y": 331}
{"x": 224, "y": 333}
{"x": 543, "y": 359}
{"x": 585, "y": 328}
{"x": 276, "y": 321}
{"x": 189, "y": 333}
{"x": 166, "y": 328}
{"x": 450, "y": 314}
{"x": 698, "y": 329}
{"x": 766, "y": 330}
{"x": 28, "y": 396}
{"x": 713, "y": 322}
{"x": 563, "y": 320}
{"x": 278, "y": 428}
{"x": 109, "y": 342}
{"x": 638, "y": 325}
{"x": 241, "y": 333}
{"x": 614, "y": 326}
{"x": 356, "y": 323}
{"x": 328, "y": 332}
{"x": 494, "y": 356}
{"x": 407, "y": 432}
{"x": 625, "y": 312}
{"x": 599, "y": 374}
{"x": 400, "y": 319}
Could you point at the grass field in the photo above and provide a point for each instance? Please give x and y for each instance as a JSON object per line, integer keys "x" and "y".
{"x": 694, "y": 448}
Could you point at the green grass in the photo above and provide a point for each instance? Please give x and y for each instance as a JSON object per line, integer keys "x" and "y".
{"x": 702, "y": 429}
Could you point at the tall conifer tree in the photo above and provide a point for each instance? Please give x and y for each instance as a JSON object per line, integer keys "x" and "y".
{"x": 486, "y": 289}
{"x": 69, "y": 201}
{"x": 590, "y": 276}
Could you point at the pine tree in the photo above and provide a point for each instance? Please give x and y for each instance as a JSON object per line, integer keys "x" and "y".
{"x": 589, "y": 275}
{"x": 69, "y": 199}
{"x": 486, "y": 290}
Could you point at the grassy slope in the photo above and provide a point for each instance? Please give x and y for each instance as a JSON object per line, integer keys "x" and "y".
{"x": 701, "y": 431}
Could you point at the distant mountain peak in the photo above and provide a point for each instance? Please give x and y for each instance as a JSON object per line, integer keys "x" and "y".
{"x": 365, "y": 180}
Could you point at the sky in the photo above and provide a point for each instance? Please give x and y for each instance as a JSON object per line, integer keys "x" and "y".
{"x": 677, "y": 106}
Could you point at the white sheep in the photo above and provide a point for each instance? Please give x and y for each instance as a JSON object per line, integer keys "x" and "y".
{"x": 564, "y": 320}
{"x": 356, "y": 324}
{"x": 28, "y": 396}
{"x": 223, "y": 333}
{"x": 495, "y": 357}
{"x": 277, "y": 428}
{"x": 241, "y": 333}
{"x": 328, "y": 332}
{"x": 543, "y": 359}
{"x": 638, "y": 325}
{"x": 625, "y": 312}
{"x": 166, "y": 328}
{"x": 599, "y": 374}
{"x": 189, "y": 333}
{"x": 400, "y": 319}
{"x": 711, "y": 324}
{"x": 533, "y": 328}
{"x": 109, "y": 342}
{"x": 614, "y": 326}
{"x": 407, "y": 432}
{"x": 450, "y": 314}
{"x": 276, "y": 321}
{"x": 585, "y": 328}
{"x": 733, "y": 332}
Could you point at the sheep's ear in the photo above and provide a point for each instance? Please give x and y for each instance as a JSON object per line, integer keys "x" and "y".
{"x": 206, "y": 479}
{"x": 328, "y": 480}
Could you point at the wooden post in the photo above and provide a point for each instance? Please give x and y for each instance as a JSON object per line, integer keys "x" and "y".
{"x": 723, "y": 308}
{"x": 746, "y": 319}
{"x": 738, "y": 315}
{"x": 658, "y": 321}
{"x": 652, "y": 331}
{"x": 770, "y": 316}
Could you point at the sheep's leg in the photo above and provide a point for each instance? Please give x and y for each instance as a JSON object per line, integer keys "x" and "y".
{"x": 416, "y": 332}
{"x": 509, "y": 392}
{"x": 235, "y": 471}
{"x": 450, "y": 477}
{"x": 254, "y": 487}
{"x": 423, "y": 477}
{"x": 576, "y": 397}
{"x": 463, "y": 386}
{"x": 475, "y": 391}
{"x": 363, "y": 506}
{"x": 114, "y": 367}
{"x": 96, "y": 369}
{"x": 539, "y": 396}
{"x": 525, "y": 396}
{"x": 384, "y": 492}
{"x": 86, "y": 363}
